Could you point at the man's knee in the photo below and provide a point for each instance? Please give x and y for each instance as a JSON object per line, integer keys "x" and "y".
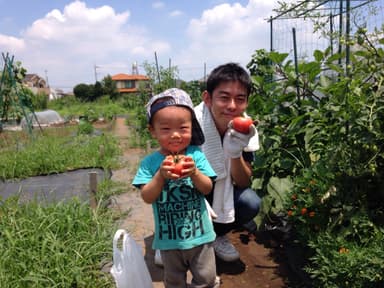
{"x": 248, "y": 205}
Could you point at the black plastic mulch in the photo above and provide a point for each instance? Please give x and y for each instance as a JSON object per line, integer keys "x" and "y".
{"x": 54, "y": 187}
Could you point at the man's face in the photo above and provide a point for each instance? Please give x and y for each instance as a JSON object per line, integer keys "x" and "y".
{"x": 227, "y": 101}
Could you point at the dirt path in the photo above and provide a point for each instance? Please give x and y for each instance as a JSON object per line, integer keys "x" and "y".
{"x": 258, "y": 267}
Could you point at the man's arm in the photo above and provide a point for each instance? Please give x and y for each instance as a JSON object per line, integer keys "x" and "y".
{"x": 234, "y": 144}
{"x": 241, "y": 172}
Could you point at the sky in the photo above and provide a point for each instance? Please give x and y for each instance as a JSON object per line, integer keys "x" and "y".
{"x": 68, "y": 42}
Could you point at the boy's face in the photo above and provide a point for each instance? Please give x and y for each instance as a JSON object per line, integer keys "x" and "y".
{"x": 172, "y": 128}
{"x": 228, "y": 100}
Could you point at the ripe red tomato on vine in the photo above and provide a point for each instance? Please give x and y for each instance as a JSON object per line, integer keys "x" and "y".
{"x": 311, "y": 214}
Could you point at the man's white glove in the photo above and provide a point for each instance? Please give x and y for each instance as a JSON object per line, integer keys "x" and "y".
{"x": 234, "y": 142}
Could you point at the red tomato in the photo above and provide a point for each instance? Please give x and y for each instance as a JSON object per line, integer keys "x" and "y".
{"x": 241, "y": 124}
{"x": 177, "y": 168}
{"x": 311, "y": 214}
{"x": 303, "y": 211}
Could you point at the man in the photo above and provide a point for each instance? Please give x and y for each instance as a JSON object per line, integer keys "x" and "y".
{"x": 229, "y": 152}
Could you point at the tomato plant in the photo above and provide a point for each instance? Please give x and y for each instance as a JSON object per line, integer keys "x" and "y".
{"x": 241, "y": 124}
{"x": 330, "y": 149}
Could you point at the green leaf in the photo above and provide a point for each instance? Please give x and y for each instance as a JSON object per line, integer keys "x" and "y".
{"x": 336, "y": 68}
{"x": 325, "y": 81}
{"x": 318, "y": 55}
{"x": 278, "y": 189}
{"x": 278, "y": 57}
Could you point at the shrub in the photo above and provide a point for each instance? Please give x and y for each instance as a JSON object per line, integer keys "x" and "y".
{"x": 324, "y": 132}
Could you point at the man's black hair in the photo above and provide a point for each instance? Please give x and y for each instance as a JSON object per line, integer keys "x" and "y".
{"x": 229, "y": 72}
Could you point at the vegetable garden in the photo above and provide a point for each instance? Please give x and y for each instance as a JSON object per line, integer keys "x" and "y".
{"x": 322, "y": 160}
{"x": 320, "y": 170}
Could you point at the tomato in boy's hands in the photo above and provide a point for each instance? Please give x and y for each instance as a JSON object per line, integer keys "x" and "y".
{"x": 178, "y": 168}
{"x": 178, "y": 164}
{"x": 242, "y": 124}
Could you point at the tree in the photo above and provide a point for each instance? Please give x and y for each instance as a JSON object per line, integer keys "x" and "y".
{"x": 194, "y": 89}
{"x": 84, "y": 92}
{"x": 161, "y": 78}
{"x": 98, "y": 90}
{"x": 109, "y": 87}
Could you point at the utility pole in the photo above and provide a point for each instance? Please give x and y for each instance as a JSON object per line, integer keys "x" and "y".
{"x": 46, "y": 77}
{"x": 205, "y": 73}
{"x": 157, "y": 68}
{"x": 95, "y": 67}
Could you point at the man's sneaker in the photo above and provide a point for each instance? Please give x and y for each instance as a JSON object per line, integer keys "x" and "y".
{"x": 225, "y": 250}
{"x": 217, "y": 282}
{"x": 158, "y": 260}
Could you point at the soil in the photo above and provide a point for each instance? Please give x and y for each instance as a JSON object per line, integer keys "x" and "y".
{"x": 263, "y": 263}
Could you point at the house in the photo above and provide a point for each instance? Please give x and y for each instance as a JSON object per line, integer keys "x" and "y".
{"x": 129, "y": 83}
{"x": 36, "y": 83}
{"x": 34, "y": 80}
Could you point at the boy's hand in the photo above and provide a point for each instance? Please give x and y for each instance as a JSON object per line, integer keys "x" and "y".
{"x": 184, "y": 168}
{"x": 189, "y": 167}
{"x": 166, "y": 168}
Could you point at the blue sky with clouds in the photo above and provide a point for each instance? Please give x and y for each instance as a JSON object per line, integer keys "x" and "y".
{"x": 65, "y": 39}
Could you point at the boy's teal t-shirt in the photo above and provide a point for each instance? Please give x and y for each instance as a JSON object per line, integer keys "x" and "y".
{"x": 181, "y": 216}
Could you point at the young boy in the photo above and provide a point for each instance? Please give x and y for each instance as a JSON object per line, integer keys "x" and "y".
{"x": 183, "y": 230}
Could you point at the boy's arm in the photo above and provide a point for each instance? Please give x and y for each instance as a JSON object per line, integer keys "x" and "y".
{"x": 151, "y": 191}
{"x": 202, "y": 182}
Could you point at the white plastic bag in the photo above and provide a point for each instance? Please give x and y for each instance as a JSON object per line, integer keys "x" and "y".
{"x": 129, "y": 269}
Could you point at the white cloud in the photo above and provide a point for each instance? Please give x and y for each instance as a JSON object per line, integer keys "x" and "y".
{"x": 176, "y": 13}
{"x": 69, "y": 43}
{"x": 228, "y": 33}
{"x": 158, "y": 5}
{"x": 77, "y": 21}
{"x": 9, "y": 43}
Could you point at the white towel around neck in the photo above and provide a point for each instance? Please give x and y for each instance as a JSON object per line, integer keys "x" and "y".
{"x": 222, "y": 204}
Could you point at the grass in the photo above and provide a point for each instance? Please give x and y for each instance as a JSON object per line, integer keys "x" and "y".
{"x": 70, "y": 107}
{"x": 54, "y": 152}
{"x": 57, "y": 245}
{"x": 61, "y": 244}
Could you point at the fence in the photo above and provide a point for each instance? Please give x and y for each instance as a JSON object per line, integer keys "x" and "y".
{"x": 311, "y": 25}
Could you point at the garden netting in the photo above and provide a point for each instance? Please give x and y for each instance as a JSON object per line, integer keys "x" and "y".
{"x": 54, "y": 187}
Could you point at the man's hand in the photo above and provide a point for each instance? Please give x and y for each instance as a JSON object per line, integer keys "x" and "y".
{"x": 234, "y": 142}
